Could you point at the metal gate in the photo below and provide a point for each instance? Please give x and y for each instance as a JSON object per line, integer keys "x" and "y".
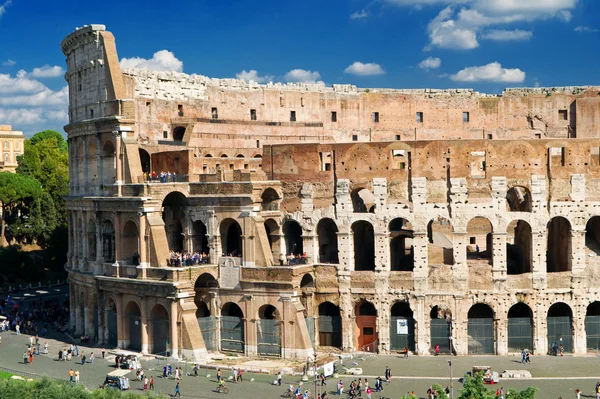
{"x": 520, "y": 334}
{"x": 96, "y": 322}
{"x": 310, "y": 325}
{"x": 481, "y": 336}
{"x": 135, "y": 332}
{"x": 330, "y": 331}
{"x": 232, "y": 334}
{"x": 402, "y": 333}
{"x": 440, "y": 335}
{"x": 592, "y": 332}
{"x": 160, "y": 332}
{"x": 269, "y": 337}
{"x": 112, "y": 329}
{"x": 560, "y": 332}
{"x": 208, "y": 327}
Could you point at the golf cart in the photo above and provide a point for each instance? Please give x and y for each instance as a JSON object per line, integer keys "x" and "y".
{"x": 489, "y": 376}
{"x": 116, "y": 380}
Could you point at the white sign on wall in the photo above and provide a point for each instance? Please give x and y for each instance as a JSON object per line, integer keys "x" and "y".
{"x": 328, "y": 369}
{"x": 402, "y": 327}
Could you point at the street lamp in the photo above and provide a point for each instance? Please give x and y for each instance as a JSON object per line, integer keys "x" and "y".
{"x": 451, "y": 384}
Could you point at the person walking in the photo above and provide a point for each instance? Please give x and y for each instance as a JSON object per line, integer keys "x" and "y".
{"x": 151, "y": 383}
{"x": 388, "y": 374}
{"x": 437, "y": 350}
{"x": 71, "y": 375}
{"x": 92, "y": 358}
{"x": 18, "y": 329}
{"x": 405, "y": 352}
{"x": 77, "y": 376}
{"x": 103, "y": 352}
{"x": 240, "y": 375}
{"x": 145, "y": 384}
{"x": 279, "y": 377}
{"x": 82, "y": 358}
{"x": 218, "y": 375}
{"x": 578, "y": 393}
{"x": 46, "y": 348}
{"x": 235, "y": 374}
{"x": 177, "y": 393}
{"x": 25, "y": 358}
{"x": 30, "y": 356}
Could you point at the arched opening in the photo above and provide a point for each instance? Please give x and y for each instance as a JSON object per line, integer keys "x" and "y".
{"x": 240, "y": 156}
{"x": 558, "y": 252}
{"x": 592, "y": 236}
{"x": 204, "y": 281}
{"x": 202, "y": 310}
{"x": 307, "y": 281}
{"x": 440, "y": 249}
{"x": 178, "y": 133}
{"x": 366, "y": 326}
{"x": 518, "y": 199}
{"x": 174, "y": 210}
{"x": 364, "y": 245}
{"x": 203, "y": 288}
{"x": 224, "y": 156}
{"x": 519, "y": 248}
{"x": 91, "y": 239}
{"x": 328, "y": 241}
{"x": 560, "y": 327}
{"x": 200, "y": 241}
{"x": 330, "y": 325}
{"x": 257, "y": 156}
{"x": 111, "y": 310}
{"x": 440, "y": 330}
{"x": 520, "y": 328}
{"x": 402, "y": 251}
{"x": 481, "y": 330}
{"x": 108, "y": 163}
{"x": 231, "y": 238}
{"x": 363, "y": 201}
{"x": 402, "y": 327}
{"x": 232, "y": 328}
{"x": 268, "y": 330}
{"x": 145, "y": 161}
{"x": 79, "y": 236}
{"x": 133, "y": 327}
{"x": 130, "y": 239}
{"x": 479, "y": 248}
{"x": 292, "y": 233}
{"x": 208, "y": 156}
{"x": 160, "y": 330}
{"x": 92, "y": 164}
{"x": 270, "y": 200}
{"x": 272, "y": 230}
{"x": 108, "y": 241}
{"x": 592, "y": 326}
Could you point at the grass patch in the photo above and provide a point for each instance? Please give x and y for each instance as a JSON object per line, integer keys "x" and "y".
{"x": 4, "y": 376}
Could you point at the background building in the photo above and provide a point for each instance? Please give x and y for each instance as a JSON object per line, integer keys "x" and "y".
{"x": 417, "y": 217}
{"x": 11, "y": 145}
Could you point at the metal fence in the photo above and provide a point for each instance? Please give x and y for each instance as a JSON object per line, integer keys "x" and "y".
{"x": 269, "y": 337}
{"x": 481, "y": 336}
{"x": 400, "y": 336}
{"x": 135, "y": 332}
{"x": 160, "y": 332}
{"x": 520, "y": 333}
{"x": 310, "y": 324}
{"x": 330, "y": 331}
{"x": 560, "y": 332}
{"x": 592, "y": 332}
{"x": 232, "y": 334}
{"x": 440, "y": 335}
{"x": 112, "y": 329}
{"x": 208, "y": 327}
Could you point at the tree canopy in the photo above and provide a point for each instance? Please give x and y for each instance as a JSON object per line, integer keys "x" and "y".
{"x": 17, "y": 193}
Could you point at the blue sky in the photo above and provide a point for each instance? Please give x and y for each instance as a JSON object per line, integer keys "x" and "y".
{"x": 482, "y": 44}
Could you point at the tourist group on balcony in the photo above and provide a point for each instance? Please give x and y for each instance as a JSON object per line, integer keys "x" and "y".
{"x": 187, "y": 259}
{"x": 163, "y": 177}
{"x": 292, "y": 259}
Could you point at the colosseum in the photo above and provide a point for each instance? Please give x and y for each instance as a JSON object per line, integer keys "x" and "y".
{"x": 275, "y": 220}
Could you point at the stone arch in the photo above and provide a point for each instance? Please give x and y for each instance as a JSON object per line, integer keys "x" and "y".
{"x": 174, "y": 207}
{"x": 133, "y": 326}
{"x": 111, "y": 322}
{"x": 108, "y": 163}
{"x": 231, "y": 237}
{"x": 402, "y": 327}
{"x": 205, "y": 281}
{"x": 178, "y": 133}
{"x": 202, "y": 310}
{"x": 92, "y": 163}
{"x": 363, "y": 200}
{"x": 145, "y": 160}
{"x": 330, "y": 325}
{"x": 440, "y": 330}
{"x": 592, "y": 326}
{"x": 268, "y": 312}
{"x": 273, "y": 235}
{"x": 232, "y": 328}
{"x": 481, "y": 329}
{"x": 160, "y": 329}
{"x": 592, "y": 236}
{"x": 91, "y": 239}
{"x": 292, "y": 233}
{"x": 440, "y": 248}
{"x": 518, "y": 199}
{"x": 366, "y": 326}
{"x": 402, "y": 251}
{"x": 307, "y": 281}
{"x": 200, "y": 238}
{"x": 558, "y": 251}
{"x": 328, "y": 241}
{"x": 520, "y": 327}
{"x": 519, "y": 247}
{"x": 560, "y": 326}
{"x": 130, "y": 243}
{"x": 240, "y": 156}
{"x": 364, "y": 245}
{"x": 479, "y": 234}
{"x": 268, "y": 331}
{"x": 224, "y": 155}
{"x": 257, "y": 156}
{"x": 270, "y": 200}
{"x": 108, "y": 241}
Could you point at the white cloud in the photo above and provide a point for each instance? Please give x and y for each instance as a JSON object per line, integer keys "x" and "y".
{"x": 359, "y": 14}
{"x": 252, "y": 75}
{"x": 4, "y": 6}
{"x": 45, "y": 97}
{"x": 445, "y": 32}
{"x": 506, "y": 35}
{"x": 586, "y": 29}
{"x": 162, "y": 60}
{"x": 19, "y": 84}
{"x": 303, "y": 76}
{"x": 8, "y": 62}
{"x": 47, "y": 71}
{"x": 358, "y": 68}
{"x": 21, "y": 116}
{"x": 492, "y": 72}
{"x": 430, "y": 63}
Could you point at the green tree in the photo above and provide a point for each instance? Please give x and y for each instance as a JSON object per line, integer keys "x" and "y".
{"x": 47, "y": 134}
{"x": 528, "y": 393}
{"x": 17, "y": 192}
{"x": 474, "y": 388}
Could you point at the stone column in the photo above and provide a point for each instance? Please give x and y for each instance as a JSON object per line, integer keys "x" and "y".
{"x": 142, "y": 246}
{"x": 540, "y": 340}
{"x": 144, "y": 319}
{"x": 421, "y": 263}
{"x": 310, "y": 244}
{"x": 72, "y": 306}
{"x": 383, "y": 326}
{"x": 99, "y": 166}
{"x": 348, "y": 321}
{"x": 580, "y": 338}
{"x": 422, "y": 344}
{"x": 578, "y": 249}
{"x": 71, "y": 251}
{"x": 118, "y": 166}
{"x": 84, "y": 242}
{"x": 99, "y": 254}
{"x": 84, "y": 184}
{"x": 121, "y": 339}
{"x": 460, "y": 269}
{"x": 382, "y": 250}
{"x": 346, "y": 250}
{"x": 173, "y": 324}
{"x": 539, "y": 244}
{"x": 251, "y": 338}
{"x": 501, "y": 324}
{"x": 117, "y": 221}
{"x": 72, "y": 161}
{"x": 460, "y": 338}
{"x": 78, "y": 320}
{"x": 499, "y": 272}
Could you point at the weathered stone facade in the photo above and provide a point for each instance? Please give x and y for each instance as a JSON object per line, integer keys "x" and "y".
{"x": 424, "y": 217}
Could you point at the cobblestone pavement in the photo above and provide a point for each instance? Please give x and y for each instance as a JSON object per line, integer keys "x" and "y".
{"x": 554, "y": 377}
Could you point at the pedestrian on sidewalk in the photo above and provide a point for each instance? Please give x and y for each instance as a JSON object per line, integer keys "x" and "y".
{"x": 46, "y": 348}
{"x": 71, "y": 376}
{"x": 437, "y": 350}
{"x": 235, "y": 374}
{"x": 405, "y": 352}
{"x": 77, "y": 350}
{"x": 92, "y": 358}
{"x": 578, "y": 393}
{"x": 77, "y": 376}
{"x": 240, "y": 375}
{"x": 279, "y": 377}
{"x": 25, "y": 358}
{"x": 145, "y": 383}
{"x": 31, "y": 356}
{"x": 103, "y": 351}
{"x": 18, "y": 329}
{"x": 218, "y": 375}
{"x": 388, "y": 374}
{"x": 82, "y": 358}
{"x": 177, "y": 393}
{"x": 152, "y": 383}
{"x": 196, "y": 370}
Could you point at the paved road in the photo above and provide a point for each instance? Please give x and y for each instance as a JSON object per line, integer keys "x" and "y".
{"x": 555, "y": 376}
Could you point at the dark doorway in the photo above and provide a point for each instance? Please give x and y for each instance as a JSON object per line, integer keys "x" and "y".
{"x": 364, "y": 246}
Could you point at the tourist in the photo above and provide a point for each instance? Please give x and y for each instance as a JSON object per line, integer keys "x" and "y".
{"x": 437, "y": 350}
{"x": 235, "y": 374}
{"x": 369, "y": 392}
{"x": 146, "y": 384}
{"x": 405, "y": 352}
{"x": 388, "y": 374}
{"x": 177, "y": 393}
{"x": 240, "y": 375}
{"x": 340, "y": 388}
{"x": 77, "y": 376}
{"x": 152, "y": 383}
{"x": 71, "y": 375}
{"x": 82, "y": 358}
{"x": 46, "y": 348}
{"x": 578, "y": 393}
{"x": 103, "y": 352}
{"x": 279, "y": 378}
{"x": 523, "y": 356}
{"x": 196, "y": 370}
{"x": 218, "y": 375}
{"x": 25, "y": 358}
{"x": 561, "y": 350}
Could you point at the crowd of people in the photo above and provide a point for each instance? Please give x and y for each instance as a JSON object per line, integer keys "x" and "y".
{"x": 292, "y": 259}
{"x": 163, "y": 177}
{"x": 184, "y": 258}
{"x": 36, "y": 317}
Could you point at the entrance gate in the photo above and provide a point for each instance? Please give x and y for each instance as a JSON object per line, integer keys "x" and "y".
{"x": 440, "y": 335}
{"x": 330, "y": 331}
{"x": 560, "y": 332}
{"x": 481, "y": 336}
{"x": 402, "y": 333}
{"x": 520, "y": 334}
{"x": 135, "y": 332}
{"x": 310, "y": 324}
{"x": 592, "y": 332}
{"x": 232, "y": 334}
{"x": 269, "y": 337}
{"x": 208, "y": 327}
{"x": 112, "y": 329}
{"x": 160, "y": 331}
